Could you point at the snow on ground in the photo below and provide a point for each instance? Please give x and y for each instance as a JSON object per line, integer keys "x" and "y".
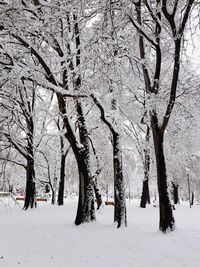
{"x": 47, "y": 236}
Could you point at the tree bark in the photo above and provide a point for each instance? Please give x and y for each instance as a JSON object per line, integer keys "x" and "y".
{"x": 62, "y": 182}
{"x": 97, "y": 193}
{"x": 145, "y": 198}
{"x": 192, "y": 199}
{"x": 53, "y": 197}
{"x": 86, "y": 210}
{"x": 175, "y": 193}
{"x": 62, "y": 174}
{"x": 166, "y": 214}
{"x": 30, "y": 196}
{"x": 119, "y": 191}
{"x": 54, "y": 189}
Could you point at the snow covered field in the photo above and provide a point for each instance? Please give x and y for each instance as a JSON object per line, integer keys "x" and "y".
{"x": 47, "y": 236}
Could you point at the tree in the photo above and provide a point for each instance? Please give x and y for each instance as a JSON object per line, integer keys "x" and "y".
{"x": 105, "y": 64}
{"x": 163, "y": 15}
{"x": 43, "y": 44}
{"x": 64, "y": 153}
{"x": 119, "y": 190}
{"x": 145, "y": 198}
{"x": 175, "y": 193}
{"x": 143, "y": 147}
{"x": 20, "y": 105}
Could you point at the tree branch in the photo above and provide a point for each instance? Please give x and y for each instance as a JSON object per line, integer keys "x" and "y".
{"x": 103, "y": 118}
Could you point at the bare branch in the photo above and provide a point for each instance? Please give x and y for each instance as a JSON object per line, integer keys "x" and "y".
{"x": 103, "y": 117}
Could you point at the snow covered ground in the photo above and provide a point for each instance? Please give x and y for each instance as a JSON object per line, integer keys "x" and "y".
{"x": 47, "y": 236}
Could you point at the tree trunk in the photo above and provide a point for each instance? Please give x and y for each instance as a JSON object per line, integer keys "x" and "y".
{"x": 62, "y": 174}
{"x": 192, "y": 199}
{"x": 86, "y": 210}
{"x": 119, "y": 190}
{"x": 97, "y": 193}
{"x": 145, "y": 198}
{"x": 53, "y": 197}
{"x": 30, "y": 197}
{"x": 166, "y": 214}
{"x": 51, "y": 187}
{"x": 54, "y": 189}
{"x": 175, "y": 193}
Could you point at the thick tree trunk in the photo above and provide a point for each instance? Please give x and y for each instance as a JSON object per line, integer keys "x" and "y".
{"x": 30, "y": 197}
{"x": 119, "y": 189}
{"x": 86, "y": 210}
{"x": 166, "y": 214}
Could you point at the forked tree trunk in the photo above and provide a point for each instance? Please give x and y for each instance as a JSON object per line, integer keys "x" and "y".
{"x": 30, "y": 196}
{"x": 85, "y": 210}
{"x": 166, "y": 214}
{"x": 119, "y": 189}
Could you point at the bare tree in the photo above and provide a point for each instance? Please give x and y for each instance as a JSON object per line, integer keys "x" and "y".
{"x": 64, "y": 45}
{"x": 166, "y": 19}
{"x": 21, "y": 106}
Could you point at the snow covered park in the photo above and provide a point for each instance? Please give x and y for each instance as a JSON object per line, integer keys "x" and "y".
{"x": 99, "y": 100}
{"x": 47, "y": 236}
